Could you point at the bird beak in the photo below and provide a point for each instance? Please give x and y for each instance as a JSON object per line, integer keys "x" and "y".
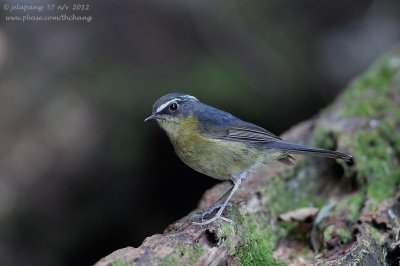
{"x": 152, "y": 117}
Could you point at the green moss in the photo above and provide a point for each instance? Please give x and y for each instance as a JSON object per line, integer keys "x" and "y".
{"x": 368, "y": 95}
{"x": 120, "y": 262}
{"x": 377, "y": 166}
{"x": 117, "y": 262}
{"x": 325, "y": 138}
{"x": 192, "y": 253}
{"x": 226, "y": 235}
{"x": 351, "y": 205}
{"x": 299, "y": 186}
{"x": 328, "y": 233}
{"x": 196, "y": 253}
{"x": 292, "y": 189}
{"x": 345, "y": 234}
{"x": 187, "y": 255}
{"x": 257, "y": 244}
{"x": 170, "y": 260}
{"x": 377, "y": 148}
{"x": 374, "y": 234}
{"x": 233, "y": 213}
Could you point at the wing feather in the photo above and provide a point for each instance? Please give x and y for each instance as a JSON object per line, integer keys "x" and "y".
{"x": 243, "y": 134}
{"x": 221, "y": 125}
{"x": 251, "y": 134}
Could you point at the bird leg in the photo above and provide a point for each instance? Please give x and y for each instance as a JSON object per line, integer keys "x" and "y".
{"x": 218, "y": 204}
{"x": 218, "y": 215}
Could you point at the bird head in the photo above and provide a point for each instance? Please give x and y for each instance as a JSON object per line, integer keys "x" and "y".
{"x": 171, "y": 110}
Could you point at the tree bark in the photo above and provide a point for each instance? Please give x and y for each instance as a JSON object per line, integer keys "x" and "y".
{"x": 355, "y": 219}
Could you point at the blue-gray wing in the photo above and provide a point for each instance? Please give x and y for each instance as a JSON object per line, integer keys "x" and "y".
{"x": 244, "y": 133}
{"x": 218, "y": 124}
{"x": 221, "y": 125}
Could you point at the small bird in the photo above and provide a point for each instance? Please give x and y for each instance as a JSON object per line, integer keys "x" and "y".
{"x": 222, "y": 146}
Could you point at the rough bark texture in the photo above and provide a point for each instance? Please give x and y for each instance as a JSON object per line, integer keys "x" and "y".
{"x": 358, "y": 221}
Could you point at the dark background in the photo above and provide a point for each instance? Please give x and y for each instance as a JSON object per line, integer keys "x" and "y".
{"x": 80, "y": 173}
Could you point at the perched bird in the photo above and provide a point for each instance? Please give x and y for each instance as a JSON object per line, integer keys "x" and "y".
{"x": 222, "y": 146}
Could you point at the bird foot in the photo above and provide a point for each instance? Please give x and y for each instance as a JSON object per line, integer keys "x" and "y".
{"x": 216, "y": 217}
{"x": 204, "y": 213}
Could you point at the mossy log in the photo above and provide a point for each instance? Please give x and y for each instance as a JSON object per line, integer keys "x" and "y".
{"x": 358, "y": 219}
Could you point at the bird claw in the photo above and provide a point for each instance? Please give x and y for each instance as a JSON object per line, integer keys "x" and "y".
{"x": 204, "y": 213}
{"x": 216, "y": 217}
{"x": 221, "y": 206}
{"x": 213, "y": 209}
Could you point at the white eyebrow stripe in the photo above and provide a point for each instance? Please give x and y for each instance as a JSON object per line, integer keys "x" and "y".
{"x": 161, "y": 107}
{"x": 190, "y": 97}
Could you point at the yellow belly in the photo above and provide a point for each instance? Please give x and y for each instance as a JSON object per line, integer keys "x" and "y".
{"x": 213, "y": 157}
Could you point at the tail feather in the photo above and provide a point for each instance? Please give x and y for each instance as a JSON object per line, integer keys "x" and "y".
{"x": 302, "y": 149}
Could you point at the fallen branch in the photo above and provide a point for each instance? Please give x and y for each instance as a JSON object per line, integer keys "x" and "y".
{"x": 359, "y": 212}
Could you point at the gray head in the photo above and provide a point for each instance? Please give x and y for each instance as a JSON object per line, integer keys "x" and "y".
{"x": 172, "y": 105}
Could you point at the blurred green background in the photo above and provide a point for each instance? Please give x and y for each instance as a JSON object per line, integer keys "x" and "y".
{"x": 80, "y": 173}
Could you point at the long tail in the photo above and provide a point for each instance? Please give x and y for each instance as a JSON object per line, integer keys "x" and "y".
{"x": 302, "y": 149}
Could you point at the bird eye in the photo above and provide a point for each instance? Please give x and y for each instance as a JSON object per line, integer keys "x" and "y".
{"x": 173, "y": 106}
